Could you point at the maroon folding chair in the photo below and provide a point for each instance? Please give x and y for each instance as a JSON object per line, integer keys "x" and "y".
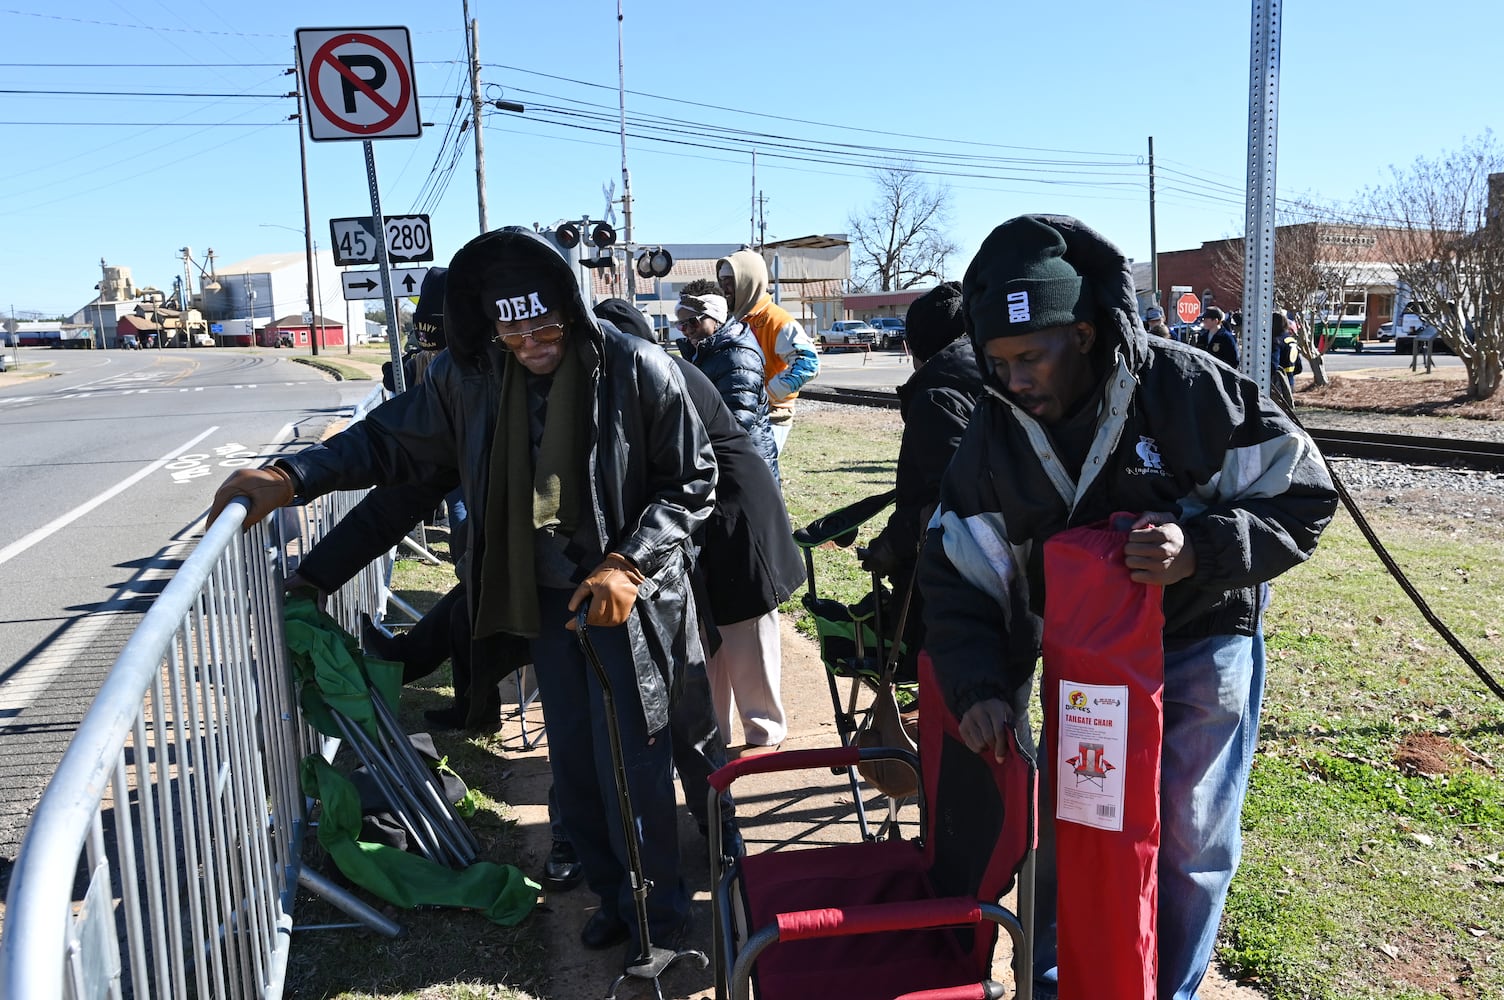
{"x": 880, "y": 920}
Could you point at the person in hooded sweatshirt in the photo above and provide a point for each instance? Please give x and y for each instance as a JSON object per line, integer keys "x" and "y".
{"x": 790, "y": 360}
{"x": 1084, "y": 415}
{"x": 936, "y": 403}
{"x": 587, "y": 471}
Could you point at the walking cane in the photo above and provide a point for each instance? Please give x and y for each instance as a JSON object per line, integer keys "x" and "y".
{"x": 651, "y": 961}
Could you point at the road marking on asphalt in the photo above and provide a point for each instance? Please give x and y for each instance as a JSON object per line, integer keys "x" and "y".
{"x": 27, "y": 541}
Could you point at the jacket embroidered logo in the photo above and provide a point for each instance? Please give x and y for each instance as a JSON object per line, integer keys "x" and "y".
{"x": 1018, "y": 307}
{"x": 519, "y": 307}
{"x": 1148, "y": 453}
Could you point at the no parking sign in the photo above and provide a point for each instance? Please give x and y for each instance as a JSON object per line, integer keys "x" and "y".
{"x": 359, "y": 83}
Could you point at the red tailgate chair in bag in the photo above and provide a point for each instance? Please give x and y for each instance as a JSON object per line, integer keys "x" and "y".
{"x": 1103, "y": 694}
{"x": 880, "y": 920}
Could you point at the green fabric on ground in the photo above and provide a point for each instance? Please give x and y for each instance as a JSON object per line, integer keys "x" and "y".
{"x": 332, "y": 670}
{"x": 332, "y": 673}
{"x": 501, "y": 892}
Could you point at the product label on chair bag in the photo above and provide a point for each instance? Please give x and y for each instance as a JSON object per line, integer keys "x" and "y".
{"x": 1090, "y": 754}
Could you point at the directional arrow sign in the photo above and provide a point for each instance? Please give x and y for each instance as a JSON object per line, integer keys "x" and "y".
{"x": 367, "y": 284}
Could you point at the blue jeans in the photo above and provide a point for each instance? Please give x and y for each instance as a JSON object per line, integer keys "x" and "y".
{"x": 584, "y": 776}
{"x": 1214, "y": 689}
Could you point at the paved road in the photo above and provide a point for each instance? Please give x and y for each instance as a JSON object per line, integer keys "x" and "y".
{"x": 106, "y": 471}
{"x": 887, "y": 369}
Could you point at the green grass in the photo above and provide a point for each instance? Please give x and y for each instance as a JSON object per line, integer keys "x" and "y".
{"x": 1370, "y": 871}
{"x": 836, "y": 456}
{"x": 339, "y": 371}
{"x": 1365, "y": 876}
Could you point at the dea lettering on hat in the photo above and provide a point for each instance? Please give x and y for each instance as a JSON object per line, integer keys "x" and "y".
{"x": 518, "y": 307}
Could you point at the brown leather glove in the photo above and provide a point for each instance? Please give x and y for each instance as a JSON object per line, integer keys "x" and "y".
{"x": 266, "y": 488}
{"x": 612, "y": 589}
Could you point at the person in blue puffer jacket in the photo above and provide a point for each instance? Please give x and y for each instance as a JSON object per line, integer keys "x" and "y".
{"x": 728, "y": 355}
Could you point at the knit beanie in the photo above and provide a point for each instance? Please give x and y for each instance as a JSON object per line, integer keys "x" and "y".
{"x": 625, "y": 317}
{"x": 934, "y": 321}
{"x": 428, "y": 314}
{"x": 520, "y": 289}
{"x": 1020, "y": 282}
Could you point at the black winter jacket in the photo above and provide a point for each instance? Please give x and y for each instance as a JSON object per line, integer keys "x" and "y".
{"x": 936, "y": 403}
{"x": 376, "y": 524}
{"x": 748, "y": 559}
{"x": 651, "y": 471}
{"x": 732, "y": 361}
{"x": 1175, "y": 431}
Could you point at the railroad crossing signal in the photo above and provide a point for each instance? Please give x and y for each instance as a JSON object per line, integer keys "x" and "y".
{"x": 1187, "y": 308}
{"x": 359, "y": 83}
{"x": 367, "y": 284}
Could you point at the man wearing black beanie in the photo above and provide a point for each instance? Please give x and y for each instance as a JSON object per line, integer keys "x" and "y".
{"x": 936, "y": 403}
{"x": 1085, "y": 415}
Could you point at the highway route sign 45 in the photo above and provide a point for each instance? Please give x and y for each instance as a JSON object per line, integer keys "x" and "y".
{"x": 408, "y": 240}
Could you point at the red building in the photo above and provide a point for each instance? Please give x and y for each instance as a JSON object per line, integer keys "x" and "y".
{"x": 300, "y": 334}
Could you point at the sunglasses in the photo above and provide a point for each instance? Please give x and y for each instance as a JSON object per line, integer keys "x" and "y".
{"x": 551, "y": 333}
{"x": 685, "y": 325}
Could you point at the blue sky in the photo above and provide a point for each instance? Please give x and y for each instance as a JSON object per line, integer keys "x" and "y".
{"x": 1016, "y": 107}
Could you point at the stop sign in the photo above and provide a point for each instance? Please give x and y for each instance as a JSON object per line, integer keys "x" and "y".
{"x": 1187, "y": 307}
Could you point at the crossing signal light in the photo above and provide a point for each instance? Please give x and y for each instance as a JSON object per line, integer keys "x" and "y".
{"x": 602, "y": 235}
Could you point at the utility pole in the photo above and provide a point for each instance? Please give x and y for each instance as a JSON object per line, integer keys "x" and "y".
{"x": 752, "y": 228}
{"x": 762, "y": 220}
{"x": 472, "y": 49}
{"x": 626, "y": 178}
{"x": 1153, "y": 246}
{"x": 307, "y": 218}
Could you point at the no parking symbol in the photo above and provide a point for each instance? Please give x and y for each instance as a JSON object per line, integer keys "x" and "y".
{"x": 359, "y": 83}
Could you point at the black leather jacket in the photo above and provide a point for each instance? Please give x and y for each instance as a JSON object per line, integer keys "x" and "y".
{"x": 651, "y": 470}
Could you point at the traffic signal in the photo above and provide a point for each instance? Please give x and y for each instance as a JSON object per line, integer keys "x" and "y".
{"x": 654, "y": 262}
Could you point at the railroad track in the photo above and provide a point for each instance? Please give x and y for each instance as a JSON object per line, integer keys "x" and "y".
{"x": 1480, "y": 456}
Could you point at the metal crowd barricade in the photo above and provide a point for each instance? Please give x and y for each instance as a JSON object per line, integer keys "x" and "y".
{"x": 177, "y": 807}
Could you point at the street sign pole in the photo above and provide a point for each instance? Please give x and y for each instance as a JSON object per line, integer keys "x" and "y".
{"x": 393, "y": 320}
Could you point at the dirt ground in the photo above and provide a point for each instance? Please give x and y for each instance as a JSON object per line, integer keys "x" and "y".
{"x": 774, "y": 812}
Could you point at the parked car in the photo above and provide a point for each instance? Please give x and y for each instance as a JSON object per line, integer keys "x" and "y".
{"x": 1386, "y": 332}
{"x": 130, "y": 343}
{"x": 848, "y": 333}
{"x": 890, "y": 331}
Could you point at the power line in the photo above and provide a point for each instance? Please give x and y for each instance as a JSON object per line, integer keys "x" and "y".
{"x": 138, "y": 93}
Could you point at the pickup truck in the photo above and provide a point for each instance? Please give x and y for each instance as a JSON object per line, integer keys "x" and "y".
{"x": 848, "y": 333}
{"x": 890, "y": 331}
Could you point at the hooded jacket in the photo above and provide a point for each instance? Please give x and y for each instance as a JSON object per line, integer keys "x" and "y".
{"x": 730, "y": 359}
{"x": 651, "y": 473}
{"x": 789, "y": 356}
{"x": 936, "y": 402}
{"x": 1174, "y": 431}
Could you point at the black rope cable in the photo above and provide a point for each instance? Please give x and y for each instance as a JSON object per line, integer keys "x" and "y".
{"x": 1441, "y": 628}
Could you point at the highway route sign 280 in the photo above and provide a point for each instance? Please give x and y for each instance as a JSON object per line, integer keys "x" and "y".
{"x": 408, "y": 240}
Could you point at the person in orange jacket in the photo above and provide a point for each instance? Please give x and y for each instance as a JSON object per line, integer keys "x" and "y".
{"x": 790, "y": 360}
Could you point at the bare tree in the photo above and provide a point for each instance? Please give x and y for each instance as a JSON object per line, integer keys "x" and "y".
{"x": 1447, "y": 244}
{"x": 901, "y": 241}
{"x": 1316, "y": 260}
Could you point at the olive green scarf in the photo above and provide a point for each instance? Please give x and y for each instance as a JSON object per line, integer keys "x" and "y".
{"x": 525, "y": 500}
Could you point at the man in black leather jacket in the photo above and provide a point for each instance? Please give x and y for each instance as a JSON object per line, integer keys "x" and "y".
{"x": 587, "y": 472}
